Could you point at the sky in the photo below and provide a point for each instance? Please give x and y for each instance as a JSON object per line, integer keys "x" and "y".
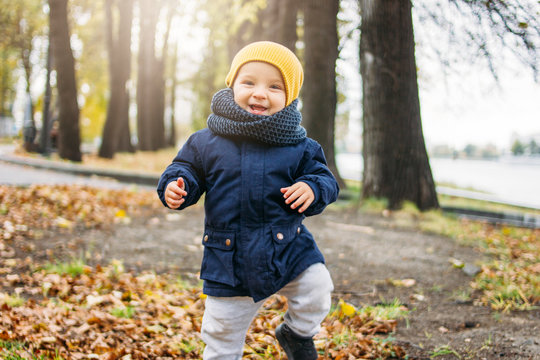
{"x": 473, "y": 108}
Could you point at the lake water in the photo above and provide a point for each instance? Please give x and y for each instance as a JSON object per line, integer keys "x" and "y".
{"x": 509, "y": 180}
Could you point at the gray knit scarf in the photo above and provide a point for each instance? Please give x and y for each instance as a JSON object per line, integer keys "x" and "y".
{"x": 230, "y": 120}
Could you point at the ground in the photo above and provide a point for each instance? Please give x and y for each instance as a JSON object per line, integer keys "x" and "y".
{"x": 372, "y": 259}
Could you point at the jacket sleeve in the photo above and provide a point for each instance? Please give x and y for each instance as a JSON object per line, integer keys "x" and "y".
{"x": 314, "y": 171}
{"x": 188, "y": 165}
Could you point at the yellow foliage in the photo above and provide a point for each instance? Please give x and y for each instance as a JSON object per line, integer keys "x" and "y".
{"x": 120, "y": 214}
{"x": 346, "y": 308}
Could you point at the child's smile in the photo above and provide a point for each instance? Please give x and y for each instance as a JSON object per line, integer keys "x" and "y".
{"x": 257, "y": 109}
{"x": 259, "y": 88}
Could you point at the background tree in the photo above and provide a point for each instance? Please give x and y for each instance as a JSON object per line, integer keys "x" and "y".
{"x": 46, "y": 118}
{"x": 173, "y": 76}
{"x": 277, "y": 21}
{"x": 23, "y": 22}
{"x": 392, "y": 127}
{"x": 150, "y": 78}
{"x": 149, "y": 14}
{"x": 89, "y": 42}
{"x": 518, "y": 148}
{"x": 116, "y": 133}
{"x": 68, "y": 116}
{"x": 224, "y": 39}
{"x": 488, "y": 33}
{"x": 534, "y": 148}
{"x": 319, "y": 97}
{"x": 396, "y": 165}
{"x": 8, "y": 62}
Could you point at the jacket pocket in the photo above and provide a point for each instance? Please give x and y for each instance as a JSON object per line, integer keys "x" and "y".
{"x": 218, "y": 262}
{"x": 283, "y": 237}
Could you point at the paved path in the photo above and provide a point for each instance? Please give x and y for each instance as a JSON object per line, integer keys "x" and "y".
{"x": 11, "y": 174}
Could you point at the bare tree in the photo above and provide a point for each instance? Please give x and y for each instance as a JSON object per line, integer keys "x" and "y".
{"x": 319, "y": 91}
{"x": 68, "y": 132}
{"x": 171, "y": 138}
{"x": 150, "y": 79}
{"x": 277, "y": 22}
{"x": 46, "y": 124}
{"x": 116, "y": 134}
{"x": 145, "y": 78}
{"x": 396, "y": 165}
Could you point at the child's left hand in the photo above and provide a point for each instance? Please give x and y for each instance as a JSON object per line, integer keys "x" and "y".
{"x": 300, "y": 193}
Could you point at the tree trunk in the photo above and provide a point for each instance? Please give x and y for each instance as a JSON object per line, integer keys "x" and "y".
{"x": 45, "y": 135}
{"x": 288, "y": 12}
{"x": 160, "y": 64}
{"x": 171, "y": 139}
{"x": 145, "y": 78}
{"x": 29, "y": 128}
{"x": 396, "y": 165}
{"x": 4, "y": 88}
{"x": 125, "y": 8}
{"x": 150, "y": 80}
{"x": 319, "y": 90}
{"x": 277, "y": 22}
{"x": 116, "y": 135}
{"x": 68, "y": 117}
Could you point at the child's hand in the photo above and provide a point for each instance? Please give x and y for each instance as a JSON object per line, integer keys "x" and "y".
{"x": 300, "y": 193}
{"x": 174, "y": 193}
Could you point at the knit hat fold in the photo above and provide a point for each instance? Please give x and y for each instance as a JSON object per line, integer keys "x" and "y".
{"x": 274, "y": 54}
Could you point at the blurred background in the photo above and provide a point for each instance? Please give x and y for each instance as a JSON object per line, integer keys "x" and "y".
{"x": 125, "y": 76}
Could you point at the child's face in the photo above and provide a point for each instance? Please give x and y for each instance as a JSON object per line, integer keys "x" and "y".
{"x": 259, "y": 88}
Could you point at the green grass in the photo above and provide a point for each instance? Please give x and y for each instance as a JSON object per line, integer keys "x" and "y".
{"x": 123, "y": 312}
{"x": 393, "y": 310}
{"x": 16, "y": 350}
{"x": 11, "y": 300}
{"x": 11, "y": 345}
{"x": 74, "y": 268}
{"x": 442, "y": 351}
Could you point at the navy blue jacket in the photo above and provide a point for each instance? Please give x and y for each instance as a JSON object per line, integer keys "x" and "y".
{"x": 254, "y": 244}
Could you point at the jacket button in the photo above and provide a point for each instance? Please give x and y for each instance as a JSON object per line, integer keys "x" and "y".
{"x": 228, "y": 242}
{"x": 298, "y": 230}
{"x": 205, "y": 238}
{"x": 279, "y": 236}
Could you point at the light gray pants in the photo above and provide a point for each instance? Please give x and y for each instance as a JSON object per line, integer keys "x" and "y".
{"x": 227, "y": 319}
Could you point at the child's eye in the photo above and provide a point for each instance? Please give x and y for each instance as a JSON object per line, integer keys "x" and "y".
{"x": 247, "y": 82}
{"x": 277, "y": 87}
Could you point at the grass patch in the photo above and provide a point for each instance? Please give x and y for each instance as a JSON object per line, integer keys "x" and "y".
{"x": 11, "y": 345}
{"x": 11, "y": 300}
{"x": 373, "y": 205}
{"x": 16, "y": 350}
{"x": 126, "y": 312}
{"x": 443, "y": 351}
{"x": 394, "y": 310}
{"x": 74, "y": 268}
{"x": 453, "y": 201}
{"x": 187, "y": 346}
{"x": 511, "y": 279}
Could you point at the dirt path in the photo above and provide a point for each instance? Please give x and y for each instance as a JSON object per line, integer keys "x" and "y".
{"x": 367, "y": 256}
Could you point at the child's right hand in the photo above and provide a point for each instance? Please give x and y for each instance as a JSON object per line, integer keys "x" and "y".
{"x": 174, "y": 193}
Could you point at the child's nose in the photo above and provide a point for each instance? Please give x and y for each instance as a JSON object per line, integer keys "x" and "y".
{"x": 259, "y": 92}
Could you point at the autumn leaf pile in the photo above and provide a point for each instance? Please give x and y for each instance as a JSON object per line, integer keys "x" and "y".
{"x": 104, "y": 312}
{"x": 28, "y": 211}
{"x": 511, "y": 281}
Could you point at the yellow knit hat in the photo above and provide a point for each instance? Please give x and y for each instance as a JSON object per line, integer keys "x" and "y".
{"x": 273, "y": 54}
